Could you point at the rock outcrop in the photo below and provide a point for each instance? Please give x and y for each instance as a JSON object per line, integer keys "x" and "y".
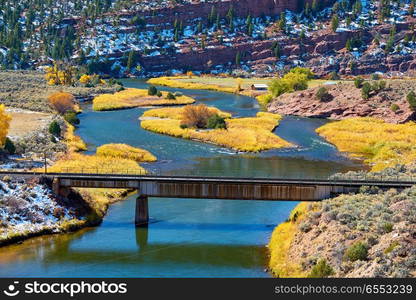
{"x": 347, "y": 101}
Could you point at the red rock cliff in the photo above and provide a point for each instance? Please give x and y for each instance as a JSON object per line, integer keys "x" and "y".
{"x": 242, "y": 8}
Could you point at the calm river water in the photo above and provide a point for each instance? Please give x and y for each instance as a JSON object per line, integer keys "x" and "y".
{"x": 186, "y": 237}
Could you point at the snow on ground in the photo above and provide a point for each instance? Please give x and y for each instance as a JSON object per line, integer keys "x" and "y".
{"x": 29, "y": 208}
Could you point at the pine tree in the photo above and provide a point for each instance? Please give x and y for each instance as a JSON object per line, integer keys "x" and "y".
{"x": 282, "y": 22}
{"x": 411, "y": 98}
{"x": 334, "y": 23}
{"x": 238, "y": 58}
{"x": 55, "y": 129}
{"x": 131, "y": 61}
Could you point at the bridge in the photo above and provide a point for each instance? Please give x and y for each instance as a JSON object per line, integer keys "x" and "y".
{"x": 227, "y": 188}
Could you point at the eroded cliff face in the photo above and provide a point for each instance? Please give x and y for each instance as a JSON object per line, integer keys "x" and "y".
{"x": 323, "y": 52}
{"x": 241, "y": 8}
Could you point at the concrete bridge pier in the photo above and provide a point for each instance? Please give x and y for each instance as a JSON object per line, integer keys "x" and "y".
{"x": 142, "y": 211}
{"x": 60, "y": 190}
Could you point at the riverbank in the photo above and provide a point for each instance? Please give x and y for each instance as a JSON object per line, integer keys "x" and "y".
{"x": 252, "y": 134}
{"x": 130, "y": 98}
{"x": 30, "y": 208}
{"x": 241, "y": 86}
{"x": 381, "y": 144}
{"x": 365, "y": 235}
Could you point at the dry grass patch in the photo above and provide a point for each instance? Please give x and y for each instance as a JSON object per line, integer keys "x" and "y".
{"x": 125, "y": 151}
{"x": 176, "y": 113}
{"x": 179, "y": 82}
{"x": 243, "y": 134}
{"x": 280, "y": 242}
{"x": 130, "y": 98}
{"x": 73, "y": 142}
{"x": 24, "y": 122}
{"x": 97, "y": 164}
{"x": 381, "y": 144}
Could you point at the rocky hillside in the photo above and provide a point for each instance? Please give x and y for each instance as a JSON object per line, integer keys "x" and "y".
{"x": 29, "y": 208}
{"x": 371, "y": 234}
{"x": 241, "y": 36}
{"x": 344, "y": 100}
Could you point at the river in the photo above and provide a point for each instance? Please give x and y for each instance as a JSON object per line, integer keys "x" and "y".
{"x": 186, "y": 237}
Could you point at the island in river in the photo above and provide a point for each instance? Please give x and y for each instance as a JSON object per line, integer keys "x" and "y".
{"x": 250, "y": 134}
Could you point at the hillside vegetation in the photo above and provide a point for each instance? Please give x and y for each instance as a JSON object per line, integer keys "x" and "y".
{"x": 386, "y": 99}
{"x": 370, "y": 234}
{"x": 29, "y": 90}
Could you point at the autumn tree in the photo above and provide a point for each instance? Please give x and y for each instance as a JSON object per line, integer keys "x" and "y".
{"x": 196, "y": 116}
{"x": 60, "y": 74}
{"x": 85, "y": 79}
{"x": 62, "y": 102}
{"x": 4, "y": 124}
{"x": 295, "y": 80}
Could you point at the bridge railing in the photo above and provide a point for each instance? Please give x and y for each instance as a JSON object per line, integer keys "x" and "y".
{"x": 155, "y": 171}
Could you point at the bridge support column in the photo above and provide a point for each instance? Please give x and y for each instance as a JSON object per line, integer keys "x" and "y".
{"x": 58, "y": 189}
{"x": 142, "y": 211}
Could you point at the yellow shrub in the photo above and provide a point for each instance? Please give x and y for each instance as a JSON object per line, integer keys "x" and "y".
{"x": 280, "y": 264}
{"x": 84, "y": 79}
{"x": 4, "y": 124}
{"x": 74, "y": 142}
{"x": 176, "y": 113}
{"x": 125, "y": 151}
{"x": 266, "y": 121}
{"x": 382, "y": 144}
{"x": 134, "y": 98}
{"x": 264, "y": 99}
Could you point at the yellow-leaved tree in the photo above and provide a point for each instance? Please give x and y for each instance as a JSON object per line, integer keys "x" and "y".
{"x": 4, "y": 124}
{"x": 60, "y": 74}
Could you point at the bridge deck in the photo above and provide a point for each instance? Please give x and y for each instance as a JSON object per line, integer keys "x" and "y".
{"x": 220, "y": 187}
{"x": 270, "y": 189}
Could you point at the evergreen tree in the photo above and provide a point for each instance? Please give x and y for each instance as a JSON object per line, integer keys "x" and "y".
{"x": 131, "y": 61}
{"x": 411, "y": 99}
{"x": 9, "y": 146}
{"x": 238, "y": 58}
{"x": 55, "y": 129}
{"x": 334, "y": 23}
